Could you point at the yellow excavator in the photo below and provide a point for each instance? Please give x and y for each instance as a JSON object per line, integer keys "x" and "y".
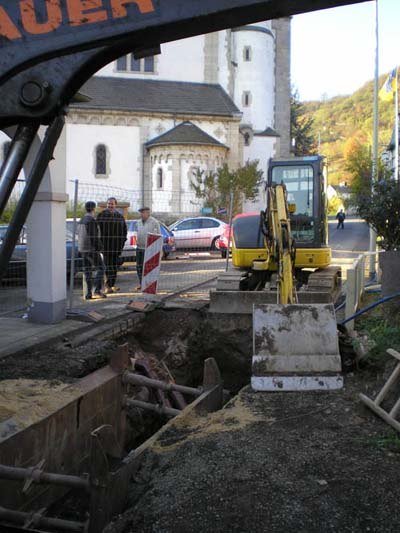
{"x": 296, "y": 199}
{"x": 287, "y": 285}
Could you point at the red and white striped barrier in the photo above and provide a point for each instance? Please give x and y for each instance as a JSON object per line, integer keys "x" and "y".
{"x": 151, "y": 264}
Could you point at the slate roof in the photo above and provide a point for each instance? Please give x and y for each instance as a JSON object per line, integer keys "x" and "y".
{"x": 185, "y": 133}
{"x": 268, "y": 132}
{"x": 157, "y": 96}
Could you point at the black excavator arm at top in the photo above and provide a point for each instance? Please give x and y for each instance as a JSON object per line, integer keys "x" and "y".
{"x": 49, "y": 48}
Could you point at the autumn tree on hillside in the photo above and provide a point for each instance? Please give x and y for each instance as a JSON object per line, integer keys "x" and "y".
{"x": 301, "y": 128}
{"x": 358, "y": 163}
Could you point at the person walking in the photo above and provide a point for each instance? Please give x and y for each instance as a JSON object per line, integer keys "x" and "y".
{"x": 340, "y": 218}
{"x": 90, "y": 247}
{"x": 147, "y": 224}
{"x": 113, "y": 232}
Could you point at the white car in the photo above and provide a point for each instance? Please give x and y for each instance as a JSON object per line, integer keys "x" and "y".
{"x": 197, "y": 232}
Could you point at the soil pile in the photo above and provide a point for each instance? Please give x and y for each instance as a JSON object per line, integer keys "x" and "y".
{"x": 281, "y": 462}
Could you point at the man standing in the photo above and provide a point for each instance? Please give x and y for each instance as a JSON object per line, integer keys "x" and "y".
{"x": 113, "y": 233}
{"x": 147, "y": 224}
{"x": 90, "y": 246}
{"x": 340, "y": 218}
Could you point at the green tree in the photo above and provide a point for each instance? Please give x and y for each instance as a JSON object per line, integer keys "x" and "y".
{"x": 301, "y": 128}
{"x": 214, "y": 188}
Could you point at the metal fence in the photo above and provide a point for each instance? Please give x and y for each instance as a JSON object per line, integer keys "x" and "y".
{"x": 194, "y": 240}
{"x": 363, "y": 271}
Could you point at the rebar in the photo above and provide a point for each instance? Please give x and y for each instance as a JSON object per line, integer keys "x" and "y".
{"x": 159, "y": 409}
{"x": 137, "y": 379}
{"x": 38, "y": 476}
{"x": 36, "y": 519}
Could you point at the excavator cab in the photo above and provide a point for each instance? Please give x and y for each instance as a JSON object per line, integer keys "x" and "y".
{"x": 305, "y": 182}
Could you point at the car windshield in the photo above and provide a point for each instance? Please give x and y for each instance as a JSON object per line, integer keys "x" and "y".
{"x": 247, "y": 232}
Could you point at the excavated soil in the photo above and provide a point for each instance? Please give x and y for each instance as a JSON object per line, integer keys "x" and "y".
{"x": 181, "y": 339}
{"x": 278, "y": 462}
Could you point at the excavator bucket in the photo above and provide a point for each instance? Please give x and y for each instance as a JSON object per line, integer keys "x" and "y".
{"x": 295, "y": 347}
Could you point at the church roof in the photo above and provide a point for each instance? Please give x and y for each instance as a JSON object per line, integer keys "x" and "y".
{"x": 185, "y": 133}
{"x": 268, "y": 132}
{"x": 157, "y": 96}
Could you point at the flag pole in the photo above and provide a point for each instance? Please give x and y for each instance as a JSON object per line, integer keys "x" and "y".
{"x": 396, "y": 130}
{"x": 374, "y": 177}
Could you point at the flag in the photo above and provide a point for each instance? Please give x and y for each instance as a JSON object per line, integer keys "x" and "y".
{"x": 390, "y": 87}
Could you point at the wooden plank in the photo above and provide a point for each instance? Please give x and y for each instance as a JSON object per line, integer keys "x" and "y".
{"x": 380, "y": 412}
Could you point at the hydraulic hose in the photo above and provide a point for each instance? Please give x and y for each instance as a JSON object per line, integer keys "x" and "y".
{"x": 369, "y": 307}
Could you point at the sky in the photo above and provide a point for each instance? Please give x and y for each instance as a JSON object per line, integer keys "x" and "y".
{"x": 333, "y": 50}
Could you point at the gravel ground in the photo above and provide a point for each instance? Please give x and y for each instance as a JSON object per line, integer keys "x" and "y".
{"x": 280, "y": 462}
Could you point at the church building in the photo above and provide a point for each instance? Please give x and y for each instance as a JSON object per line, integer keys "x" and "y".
{"x": 146, "y": 126}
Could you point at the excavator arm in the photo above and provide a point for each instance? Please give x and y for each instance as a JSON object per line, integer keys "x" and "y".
{"x": 280, "y": 244}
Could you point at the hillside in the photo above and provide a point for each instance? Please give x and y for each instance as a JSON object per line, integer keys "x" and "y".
{"x": 344, "y": 117}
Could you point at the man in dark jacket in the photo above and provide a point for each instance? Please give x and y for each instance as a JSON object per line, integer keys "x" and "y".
{"x": 340, "y": 218}
{"x": 90, "y": 247}
{"x": 113, "y": 233}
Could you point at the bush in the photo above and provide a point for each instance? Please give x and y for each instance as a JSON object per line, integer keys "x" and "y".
{"x": 381, "y": 210}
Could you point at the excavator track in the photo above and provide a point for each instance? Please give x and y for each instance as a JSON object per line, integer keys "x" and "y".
{"x": 322, "y": 286}
{"x": 325, "y": 280}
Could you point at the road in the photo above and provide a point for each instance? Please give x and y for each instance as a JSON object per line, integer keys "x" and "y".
{"x": 353, "y": 238}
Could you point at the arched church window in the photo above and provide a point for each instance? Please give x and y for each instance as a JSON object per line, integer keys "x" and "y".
{"x": 101, "y": 159}
{"x": 247, "y": 53}
{"x": 246, "y": 98}
{"x": 246, "y": 138}
{"x": 6, "y": 149}
{"x": 160, "y": 177}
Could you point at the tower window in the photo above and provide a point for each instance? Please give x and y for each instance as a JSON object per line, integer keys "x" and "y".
{"x": 247, "y": 53}
{"x": 246, "y": 98}
{"x": 135, "y": 64}
{"x": 246, "y": 138}
{"x": 130, "y": 64}
{"x": 101, "y": 159}
{"x": 160, "y": 178}
{"x": 149, "y": 64}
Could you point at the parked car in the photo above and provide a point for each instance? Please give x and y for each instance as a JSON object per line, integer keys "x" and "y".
{"x": 197, "y": 232}
{"x": 222, "y": 241}
{"x": 131, "y": 243}
{"x": 16, "y": 270}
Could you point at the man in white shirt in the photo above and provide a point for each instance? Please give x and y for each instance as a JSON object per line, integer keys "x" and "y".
{"x": 147, "y": 224}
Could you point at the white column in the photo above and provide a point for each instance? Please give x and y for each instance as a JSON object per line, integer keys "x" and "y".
{"x": 46, "y": 257}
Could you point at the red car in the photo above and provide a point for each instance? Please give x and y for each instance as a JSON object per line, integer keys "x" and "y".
{"x": 222, "y": 241}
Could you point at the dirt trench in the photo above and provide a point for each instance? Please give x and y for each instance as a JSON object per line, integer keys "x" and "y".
{"x": 182, "y": 339}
